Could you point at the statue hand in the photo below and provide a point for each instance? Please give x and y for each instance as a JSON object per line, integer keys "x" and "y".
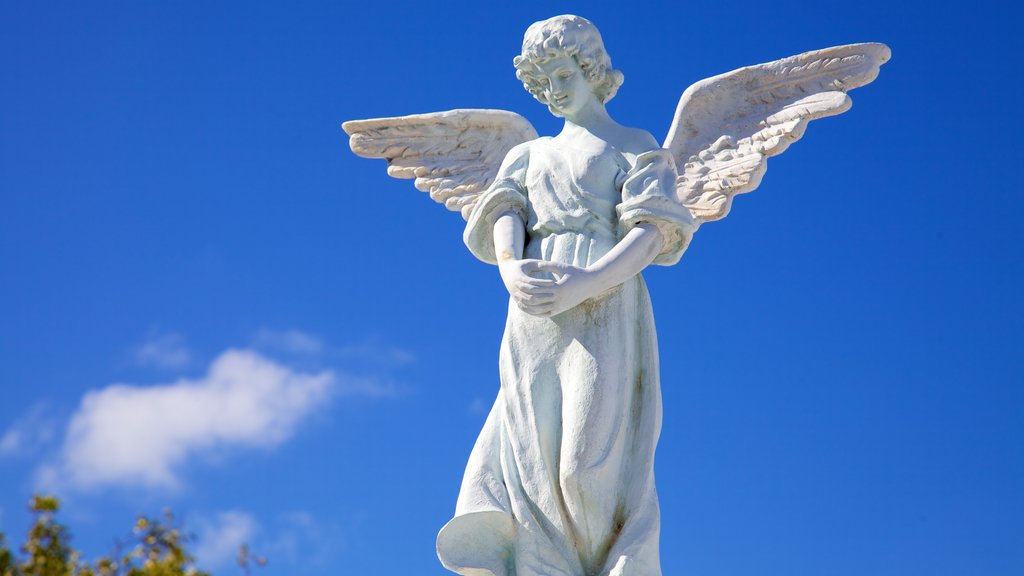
{"x": 533, "y": 295}
{"x": 573, "y": 286}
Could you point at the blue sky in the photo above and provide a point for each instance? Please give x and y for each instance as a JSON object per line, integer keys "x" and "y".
{"x": 183, "y": 230}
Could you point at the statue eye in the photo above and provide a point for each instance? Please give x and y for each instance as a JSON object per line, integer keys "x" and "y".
{"x": 565, "y": 73}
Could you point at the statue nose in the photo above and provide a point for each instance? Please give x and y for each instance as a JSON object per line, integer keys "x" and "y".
{"x": 555, "y": 84}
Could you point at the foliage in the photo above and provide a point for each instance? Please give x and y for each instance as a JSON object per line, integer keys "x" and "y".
{"x": 158, "y": 548}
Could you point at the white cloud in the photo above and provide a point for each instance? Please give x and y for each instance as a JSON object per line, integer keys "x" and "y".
{"x": 219, "y": 539}
{"x": 300, "y": 539}
{"x": 167, "y": 351}
{"x": 295, "y": 539}
{"x": 373, "y": 352}
{"x": 27, "y": 434}
{"x": 368, "y": 353}
{"x": 142, "y": 435}
{"x": 292, "y": 341}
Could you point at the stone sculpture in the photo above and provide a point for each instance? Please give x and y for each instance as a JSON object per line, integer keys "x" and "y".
{"x": 560, "y": 481}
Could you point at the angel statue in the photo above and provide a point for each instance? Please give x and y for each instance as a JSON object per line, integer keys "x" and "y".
{"x": 560, "y": 481}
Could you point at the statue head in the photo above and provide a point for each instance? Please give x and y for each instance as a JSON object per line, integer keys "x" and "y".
{"x": 566, "y": 36}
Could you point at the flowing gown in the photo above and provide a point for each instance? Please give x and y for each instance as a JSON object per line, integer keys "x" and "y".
{"x": 561, "y": 479}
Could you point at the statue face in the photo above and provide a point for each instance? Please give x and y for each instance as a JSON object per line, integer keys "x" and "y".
{"x": 567, "y": 90}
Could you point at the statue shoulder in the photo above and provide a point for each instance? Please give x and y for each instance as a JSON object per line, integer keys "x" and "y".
{"x": 521, "y": 152}
{"x": 637, "y": 141}
{"x": 517, "y": 159}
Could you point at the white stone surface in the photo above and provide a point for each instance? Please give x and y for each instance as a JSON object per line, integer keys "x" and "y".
{"x": 560, "y": 481}
{"x": 727, "y": 126}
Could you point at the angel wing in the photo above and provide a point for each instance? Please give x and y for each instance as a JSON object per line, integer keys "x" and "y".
{"x": 726, "y": 127}
{"x": 453, "y": 155}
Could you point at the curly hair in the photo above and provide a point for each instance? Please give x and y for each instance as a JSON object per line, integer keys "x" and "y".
{"x": 566, "y": 36}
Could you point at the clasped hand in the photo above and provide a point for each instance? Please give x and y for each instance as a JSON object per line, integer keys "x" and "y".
{"x": 545, "y": 296}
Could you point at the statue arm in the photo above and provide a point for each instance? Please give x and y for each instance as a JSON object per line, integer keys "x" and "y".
{"x": 533, "y": 295}
{"x": 509, "y": 236}
{"x": 495, "y": 230}
{"x": 629, "y": 257}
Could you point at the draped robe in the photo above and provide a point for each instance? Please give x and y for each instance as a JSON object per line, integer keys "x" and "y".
{"x": 561, "y": 479}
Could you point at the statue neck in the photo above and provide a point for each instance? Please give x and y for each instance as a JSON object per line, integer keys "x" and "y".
{"x": 593, "y": 119}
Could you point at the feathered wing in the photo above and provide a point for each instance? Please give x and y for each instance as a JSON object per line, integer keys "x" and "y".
{"x": 453, "y": 155}
{"x": 727, "y": 126}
